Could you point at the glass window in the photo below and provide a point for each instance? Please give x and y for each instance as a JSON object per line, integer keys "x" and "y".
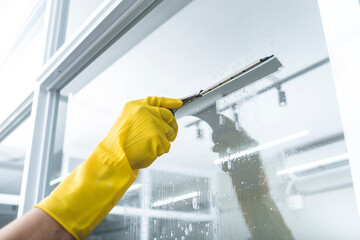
{"x": 79, "y": 12}
{"x": 12, "y": 156}
{"x": 117, "y": 227}
{"x": 8, "y": 214}
{"x": 21, "y": 63}
{"x": 180, "y": 229}
{"x": 185, "y": 193}
{"x": 266, "y": 162}
{"x": 12, "y": 14}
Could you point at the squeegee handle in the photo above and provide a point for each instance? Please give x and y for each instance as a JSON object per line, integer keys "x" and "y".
{"x": 187, "y": 100}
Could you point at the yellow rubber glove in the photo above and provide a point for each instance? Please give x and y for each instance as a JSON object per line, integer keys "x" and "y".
{"x": 142, "y": 132}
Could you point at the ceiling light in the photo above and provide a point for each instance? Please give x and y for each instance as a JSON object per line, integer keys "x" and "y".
{"x": 249, "y": 151}
{"x": 314, "y": 164}
{"x": 175, "y": 199}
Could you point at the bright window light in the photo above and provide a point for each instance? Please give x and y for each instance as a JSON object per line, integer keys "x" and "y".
{"x": 314, "y": 164}
{"x": 9, "y": 199}
{"x": 237, "y": 155}
{"x": 175, "y": 199}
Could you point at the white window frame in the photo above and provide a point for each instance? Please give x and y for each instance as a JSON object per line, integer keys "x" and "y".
{"x": 341, "y": 23}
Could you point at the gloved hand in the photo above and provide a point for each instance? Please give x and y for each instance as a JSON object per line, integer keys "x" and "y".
{"x": 142, "y": 132}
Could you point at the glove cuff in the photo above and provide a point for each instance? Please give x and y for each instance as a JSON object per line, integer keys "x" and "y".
{"x": 88, "y": 194}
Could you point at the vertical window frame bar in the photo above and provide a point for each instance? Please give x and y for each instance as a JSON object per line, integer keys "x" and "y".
{"x": 341, "y": 24}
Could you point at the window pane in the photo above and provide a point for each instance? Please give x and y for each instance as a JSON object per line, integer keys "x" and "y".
{"x": 21, "y": 63}
{"x": 186, "y": 193}
{"x": 267, "y": 162}
{"x": 12, "y": 156}
{"x": 8, "y": 214}
{"x": 180, "y": 229}
{"x": 12, "y": 14}
{"x": 79, "y": 12}
{"x": 117, "y": 227}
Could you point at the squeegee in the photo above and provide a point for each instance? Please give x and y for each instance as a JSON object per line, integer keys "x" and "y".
{"x": 246, "y": 76}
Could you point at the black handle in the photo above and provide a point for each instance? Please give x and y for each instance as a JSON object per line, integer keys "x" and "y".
{"x": 187, "y": 100}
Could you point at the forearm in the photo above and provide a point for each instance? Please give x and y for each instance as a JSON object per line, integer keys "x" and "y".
{"x": 36, "y": 224}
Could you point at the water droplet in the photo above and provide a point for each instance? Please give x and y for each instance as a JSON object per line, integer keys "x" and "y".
{"x": 171, "y": 234}
{"x": 186, "y": 231}
{"x": 228, "y": 150}
{"x": 183, "y": 238}
{"x": 221, "y": 120}
{"x": 229, "y": 164}
{"x": 195, "y": 203}
{"x": 190, "y": 227}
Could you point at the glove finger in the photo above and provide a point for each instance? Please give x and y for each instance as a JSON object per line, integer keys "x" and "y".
{"x": 169, "y": 131}
{"x": 169, "y": 118}
{"x": 163, "y": 145}
{"x": 170, "y": 103}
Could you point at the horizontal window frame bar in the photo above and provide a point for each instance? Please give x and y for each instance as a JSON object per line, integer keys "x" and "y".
{"x": 16, "y": 118}
{"x": 93, "y": 39}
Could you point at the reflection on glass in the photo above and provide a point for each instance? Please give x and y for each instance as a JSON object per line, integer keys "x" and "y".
{"x": 247, "y": 175}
